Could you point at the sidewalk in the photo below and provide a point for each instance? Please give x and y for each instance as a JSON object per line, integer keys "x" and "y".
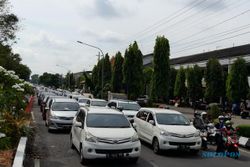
{"x": 237, "y": 120}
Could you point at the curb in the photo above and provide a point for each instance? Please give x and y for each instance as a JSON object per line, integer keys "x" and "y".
{"x": 20, "y": 153}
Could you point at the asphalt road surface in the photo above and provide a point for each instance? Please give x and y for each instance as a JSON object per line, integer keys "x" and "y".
{"x": 53, "y": 150}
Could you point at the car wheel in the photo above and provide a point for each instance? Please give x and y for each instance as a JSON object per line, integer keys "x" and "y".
{"x": 83, "y": 160}
{"x": 156, "y": 147}
{"x": 133, "y": 160}
{"x": 72, "y": 146}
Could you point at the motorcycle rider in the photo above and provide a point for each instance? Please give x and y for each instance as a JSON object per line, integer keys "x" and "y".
{"x": 219, "y": 136}
{"x": 204, "y": 118}
{"x": 199, "y": 124}
{"x": 229, "y": 128}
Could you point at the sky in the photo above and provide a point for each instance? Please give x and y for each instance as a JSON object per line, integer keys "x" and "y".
{"x": 49, "y": 29}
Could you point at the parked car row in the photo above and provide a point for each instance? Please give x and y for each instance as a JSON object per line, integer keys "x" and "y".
{"x": 101, "y": 129}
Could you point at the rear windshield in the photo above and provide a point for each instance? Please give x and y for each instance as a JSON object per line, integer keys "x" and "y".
{"x": 65, "y": 106}
{"x": 107, "y": 121}
{"x": 99, "y": 103}
{"x": 130, "y": 106}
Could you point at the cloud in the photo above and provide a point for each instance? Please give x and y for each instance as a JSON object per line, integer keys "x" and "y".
{"x": 46, "y": 40}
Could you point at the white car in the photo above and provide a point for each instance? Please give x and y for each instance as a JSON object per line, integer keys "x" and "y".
{"x": 96, "y": 103}
{"x": 104, "y": 133}
{"x": 166, "y": 130}
{"x": 83, "y": 101}
{"x": 129, "y": 108}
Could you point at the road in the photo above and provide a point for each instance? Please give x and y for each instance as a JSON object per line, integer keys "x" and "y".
{"x": 53, "y": 150}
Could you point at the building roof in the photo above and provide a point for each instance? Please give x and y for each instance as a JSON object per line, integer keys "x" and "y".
{"x": 219, "y": 54}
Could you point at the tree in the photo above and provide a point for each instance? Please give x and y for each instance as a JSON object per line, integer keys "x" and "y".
{"x": 133, "y": 71}
{"x": 214, "y": 78}
{"x": 107, "y": 70}
{"x": 161, "y": 69}
{"x": 194, "y": 83}
{"x": 35, "y": 79}
{"x": 23, "y": 72}
{"x": 180, "y": 87}
{"x": 117, "y": 76}
{"x": 95, "y": 79}
{"x": 8, "y": 22}
{"x": 237, "y": 81}
{"x": 50, "y": 80}
{"x": 147, "y": 74}
{"x": 89, "y": 86}
{"x": 173, "y": 73}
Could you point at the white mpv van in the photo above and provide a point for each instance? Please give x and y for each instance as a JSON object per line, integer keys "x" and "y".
{"x": 104, "y": 133}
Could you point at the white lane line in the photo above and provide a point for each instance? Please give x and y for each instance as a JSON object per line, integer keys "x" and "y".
{"x": 153, "y": 164}
{"x": 37, "y": 162}
{"x": 33, "y": 117}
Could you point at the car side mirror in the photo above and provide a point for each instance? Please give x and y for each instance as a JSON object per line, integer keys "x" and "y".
{"x": 78, "y": 125}
{"x": 152, "y": 122}
{"x": 120, "y": 108}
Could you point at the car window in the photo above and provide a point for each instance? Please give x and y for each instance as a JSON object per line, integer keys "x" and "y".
{"x": 142, "y": 115}
{"x": 107, "y": 121}
{"x": 65, "y": 106}
{"x": 129, "y": 106}
{"x": 98, "y": 103}
{"x": 171, "y": 119}
{"x": 81, "y": 116}
{"x": 82, "y": 100}
{"x": 150, "y": 117}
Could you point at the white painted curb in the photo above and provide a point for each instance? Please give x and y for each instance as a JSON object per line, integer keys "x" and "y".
{"x": 244, "y": 141}
{"x": 20, "y": 153}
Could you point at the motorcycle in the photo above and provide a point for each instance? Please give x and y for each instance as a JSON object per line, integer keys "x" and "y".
{"x": 203, "y": 135}
{"x": 232, "y": 144}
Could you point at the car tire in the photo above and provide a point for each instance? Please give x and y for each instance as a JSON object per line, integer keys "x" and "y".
{"x": 156, "y": 147}
{"x": 133, "y": 160}
{"x": 83, "y": 160}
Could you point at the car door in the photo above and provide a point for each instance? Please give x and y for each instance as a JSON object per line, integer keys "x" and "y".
{"x": 149, "y": 128}
{"x": 140, "y": 121}
{"x": 76, "y": 130}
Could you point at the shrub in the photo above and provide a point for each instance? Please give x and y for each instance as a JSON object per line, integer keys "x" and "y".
{"x": 214, "y": 112}
{"x": 244, "y": 130}
{"x": 5, "y": 143}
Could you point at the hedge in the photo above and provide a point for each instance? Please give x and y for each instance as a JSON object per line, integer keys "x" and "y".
{"x": 244, "y": 130}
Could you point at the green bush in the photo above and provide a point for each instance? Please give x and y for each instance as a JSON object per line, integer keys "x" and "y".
{"x": 214, "y": 112}
{"x": 244, "y": 130}
{"x": 5, "y": 143}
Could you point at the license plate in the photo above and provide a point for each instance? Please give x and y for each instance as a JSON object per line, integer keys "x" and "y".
{"x": 183, "y": 147}
{"x": 114, "y": 156}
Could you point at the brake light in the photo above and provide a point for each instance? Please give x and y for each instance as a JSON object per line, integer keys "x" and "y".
{"x": 235, "y": 145}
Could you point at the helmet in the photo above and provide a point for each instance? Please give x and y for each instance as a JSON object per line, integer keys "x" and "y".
{"x": 228, "y": 123}
{"x": 221, "y": 118}
{"x": 203, "y": 113}
{"x": 196, "y": 114}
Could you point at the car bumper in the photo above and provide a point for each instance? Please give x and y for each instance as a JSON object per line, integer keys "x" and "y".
{"x": 57, "y": 124}
{"x": 175, "y": 143}
{"x": 103, "y": 151}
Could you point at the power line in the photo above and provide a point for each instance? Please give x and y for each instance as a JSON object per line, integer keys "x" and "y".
{"x": 208, "y": 43}
{"x": 171, "y": 17}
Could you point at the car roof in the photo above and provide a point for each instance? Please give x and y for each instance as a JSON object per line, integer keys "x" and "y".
{"x": 98, "y": 110}
{"x": 84, "y": 98}
{"x": 160, "y": 110}
{"x": 64, "y": 100}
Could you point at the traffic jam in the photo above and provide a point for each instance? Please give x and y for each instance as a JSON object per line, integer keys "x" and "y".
{"x": 117, "y": 129}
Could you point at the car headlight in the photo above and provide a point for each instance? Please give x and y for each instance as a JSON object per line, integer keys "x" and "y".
{"x": 90, "y": 138}
{"x": 197, "y": 134}
{"x": 164, "y": 133}
{"x": 135, "y": 138}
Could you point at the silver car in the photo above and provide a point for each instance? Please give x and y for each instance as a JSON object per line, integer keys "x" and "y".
{"x": 61, "y": 113}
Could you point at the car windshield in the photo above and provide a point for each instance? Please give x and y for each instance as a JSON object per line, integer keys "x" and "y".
{"x": 130, "y": 106}
{"x": 171, "y": 119}
{"x": 65, "y": 106}
{"x": 82, "y": 100}
{"x": 107, "y": 121}
{"x": 99, "y": 103}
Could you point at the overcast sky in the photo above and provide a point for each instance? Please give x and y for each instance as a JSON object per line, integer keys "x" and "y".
{"x": 50, "y": 28}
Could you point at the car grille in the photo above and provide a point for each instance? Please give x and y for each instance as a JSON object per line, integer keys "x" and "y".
{"x": 66, "y": 118}
{"x": 182, "y": 136}
{"x": 182, "y": 143}
{"x": 114, "y": 141}
{"x": 101, "y": 151}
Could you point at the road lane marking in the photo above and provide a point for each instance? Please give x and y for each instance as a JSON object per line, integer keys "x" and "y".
{"x": 153, "y": 164}
{"x": 37, "y": 162}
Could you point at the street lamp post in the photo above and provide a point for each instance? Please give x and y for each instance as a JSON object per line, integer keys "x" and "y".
{"x": 66, "y": 69}
{"x": 80, "y": 42}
